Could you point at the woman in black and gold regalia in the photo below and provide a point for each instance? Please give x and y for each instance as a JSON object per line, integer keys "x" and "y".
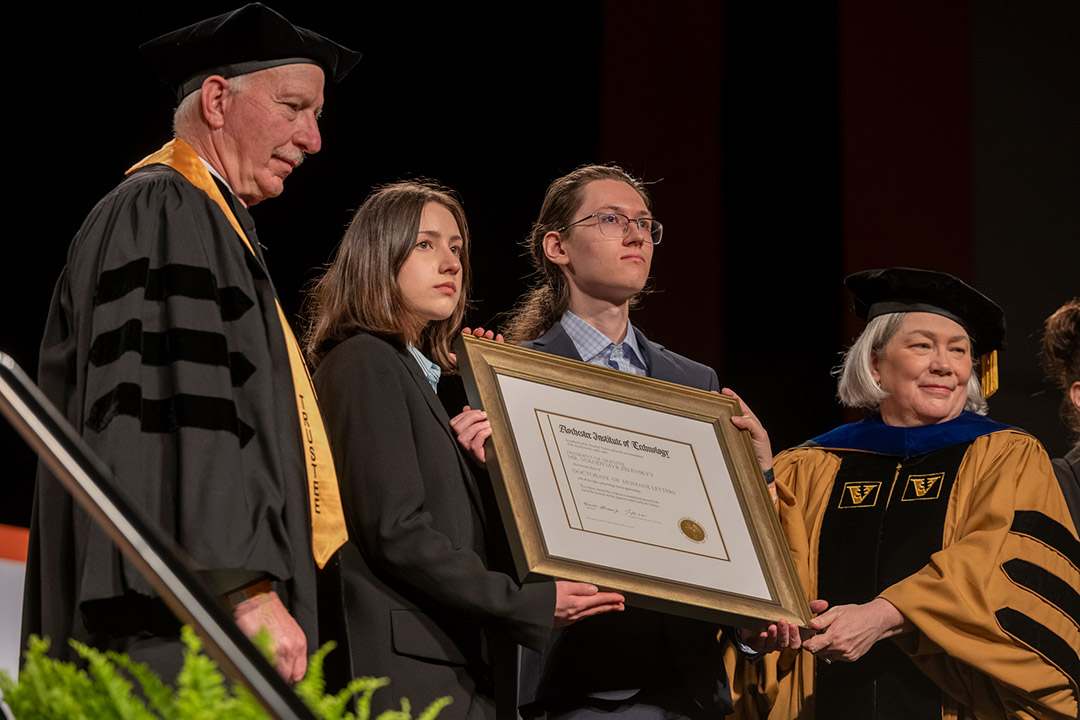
{"x": 927, "y": 524}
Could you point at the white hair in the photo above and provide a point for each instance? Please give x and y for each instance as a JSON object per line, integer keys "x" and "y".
{"x": 188, "y": 114}
{"x": 856, "y": 386}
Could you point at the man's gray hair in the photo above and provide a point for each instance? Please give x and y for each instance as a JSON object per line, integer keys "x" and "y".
{"x": 188, "y": 114}
{"x": 856, "y": 386}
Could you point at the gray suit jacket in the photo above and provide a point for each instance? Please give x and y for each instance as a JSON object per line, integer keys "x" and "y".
{"x": 642, "y": 662}
{"x": 663, "y": 364}
{"x": 420, "y": 603}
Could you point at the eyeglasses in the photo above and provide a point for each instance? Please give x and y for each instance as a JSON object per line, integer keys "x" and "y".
{"x": 616, "y": 225}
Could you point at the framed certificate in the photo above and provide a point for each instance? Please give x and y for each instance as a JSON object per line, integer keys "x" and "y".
{"x": 633, "y": 484}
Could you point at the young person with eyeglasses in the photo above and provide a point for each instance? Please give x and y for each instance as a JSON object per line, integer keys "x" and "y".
{"x": 592, "y": 248}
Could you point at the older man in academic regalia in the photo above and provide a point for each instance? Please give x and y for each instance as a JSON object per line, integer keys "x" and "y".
{"x": 168, "y": 351}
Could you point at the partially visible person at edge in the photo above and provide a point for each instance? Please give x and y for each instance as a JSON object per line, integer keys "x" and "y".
{"x": 420, "y": 600}
{"x": 939, "y": 537}
{"x": 1061, "y": 358}
{"x": 167, "y": 350}
{"x": 592, "y": 247}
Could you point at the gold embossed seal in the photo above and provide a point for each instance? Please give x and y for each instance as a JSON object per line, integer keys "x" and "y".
{"x": 692, "y": 530}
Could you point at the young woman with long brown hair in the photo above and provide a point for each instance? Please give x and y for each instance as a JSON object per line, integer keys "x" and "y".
{"x": 420, "y": 601}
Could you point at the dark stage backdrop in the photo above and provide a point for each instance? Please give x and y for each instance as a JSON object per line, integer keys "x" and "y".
{"x": 788, "y": 149}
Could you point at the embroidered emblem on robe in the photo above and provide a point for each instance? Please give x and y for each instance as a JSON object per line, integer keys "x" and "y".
{"x": 860, "y": 494}
{"x": 923, "y": 487}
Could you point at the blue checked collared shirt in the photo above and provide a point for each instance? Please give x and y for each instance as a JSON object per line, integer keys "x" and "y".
{"x": 596, "y": 348}
{"x": 431, "y": 371}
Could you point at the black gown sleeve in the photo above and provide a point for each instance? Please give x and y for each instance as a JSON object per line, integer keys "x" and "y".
{"x": 164, "y": 350}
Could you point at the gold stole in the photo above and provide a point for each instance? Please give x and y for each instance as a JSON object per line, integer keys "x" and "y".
{"x": 328, "y": 531}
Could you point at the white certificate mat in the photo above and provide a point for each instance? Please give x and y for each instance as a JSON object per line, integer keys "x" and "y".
{"x": 608, "y": 493}
{"x": 630, "y": 483}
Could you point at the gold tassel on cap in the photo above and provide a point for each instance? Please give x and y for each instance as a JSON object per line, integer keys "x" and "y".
{"x": 989, "y": 373}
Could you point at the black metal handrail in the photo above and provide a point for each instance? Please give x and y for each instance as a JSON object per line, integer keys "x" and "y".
{"x": 154, "y": 554}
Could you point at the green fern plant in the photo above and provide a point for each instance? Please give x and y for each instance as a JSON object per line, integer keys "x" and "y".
{"x": 48, "y": 688}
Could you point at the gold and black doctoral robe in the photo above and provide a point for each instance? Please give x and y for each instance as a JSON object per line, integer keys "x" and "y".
{"x": 993, "y": 596}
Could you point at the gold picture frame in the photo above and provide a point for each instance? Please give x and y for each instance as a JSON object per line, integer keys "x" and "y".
{"x": 633, "y": 484}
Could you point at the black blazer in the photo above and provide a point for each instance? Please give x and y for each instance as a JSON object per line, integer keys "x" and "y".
{"x": 415, "y": 586}
{"x": 663, "y": 660}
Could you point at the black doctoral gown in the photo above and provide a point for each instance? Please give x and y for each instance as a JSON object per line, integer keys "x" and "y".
{"x": 163, "y": 348}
